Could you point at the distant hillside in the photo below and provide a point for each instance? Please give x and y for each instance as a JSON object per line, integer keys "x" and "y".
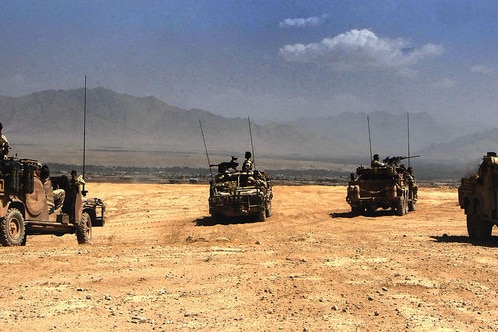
{"x": 388, "y": 132}
{"x": 53, "y": 120}
{"x": 466, "y": 148}
{"x": 118, "y": 121}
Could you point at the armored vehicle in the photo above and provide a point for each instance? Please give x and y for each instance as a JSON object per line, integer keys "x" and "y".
{"x": 26, "y": 210}
{"x": 236, "y": 193}
{"x": 478, "y": 196}
{"x": 380, "y": 187}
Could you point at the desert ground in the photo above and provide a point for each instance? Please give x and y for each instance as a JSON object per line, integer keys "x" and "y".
{"x": 161, "y": 263}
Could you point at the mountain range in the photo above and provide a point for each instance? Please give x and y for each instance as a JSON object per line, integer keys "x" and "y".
{"x": 56, "y": 120}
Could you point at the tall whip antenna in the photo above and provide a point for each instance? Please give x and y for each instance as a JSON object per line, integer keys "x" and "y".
{"x": 369, "y": 137}
{"x": 408, "y": 125}
{"x": 205, "y": 148}
{"x": 84, "y": 140}
{"x": 252, "y": 145}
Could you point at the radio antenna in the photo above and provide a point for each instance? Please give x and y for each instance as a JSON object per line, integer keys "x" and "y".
{"x": 205, "y": 148}
{"x": 408, "y": 126}
{"x": 83, "y": 191}
{"x": 369, "y": 137}
{"x": 252, "y": 145}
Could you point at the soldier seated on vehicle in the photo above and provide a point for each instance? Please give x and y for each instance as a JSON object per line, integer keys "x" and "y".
{"x": 4, "y": 145}
{"x": 376, "y": 161}
{"x": 247, "y": 165}
{"x": 261, "y": 179}
{"x": 401, "y": 170}
{"x": 55, "y": 197}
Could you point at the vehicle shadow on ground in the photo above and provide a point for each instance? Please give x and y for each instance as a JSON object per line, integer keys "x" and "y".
{"x": 492, "y": 243}
{"x": 211, "y": 221}
{"x": 349, "y": 214}
{"x": 342, "y": 215}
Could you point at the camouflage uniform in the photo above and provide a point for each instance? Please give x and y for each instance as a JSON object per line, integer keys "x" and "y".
{"x": 247, "y": 165}
{"x": 376, "y": 162}
{"x": 55, "y": 197}
{"x": 412, "y": 185}
{"x": 4, "y": 144}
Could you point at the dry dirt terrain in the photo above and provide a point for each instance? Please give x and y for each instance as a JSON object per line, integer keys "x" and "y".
{"x": 160, "y": 263}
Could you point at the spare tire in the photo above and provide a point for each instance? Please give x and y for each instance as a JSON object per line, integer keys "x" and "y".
{"x": 35, "y": 202}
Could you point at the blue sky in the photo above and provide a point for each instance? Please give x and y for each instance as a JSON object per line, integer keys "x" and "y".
{"x": 263, "y": 59}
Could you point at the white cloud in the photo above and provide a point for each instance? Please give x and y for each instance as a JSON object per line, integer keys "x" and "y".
{"x": 359, "y": 49}
{"x": 302, "y": 22}
{"x": 478, "y": 69}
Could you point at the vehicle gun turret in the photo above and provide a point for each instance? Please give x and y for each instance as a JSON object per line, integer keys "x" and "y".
{"x": 394, "y": 161}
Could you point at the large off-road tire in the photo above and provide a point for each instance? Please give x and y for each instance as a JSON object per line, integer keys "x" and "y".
{"x": 12, "y": 229}
{"x": 84, "y": 229}
{"x": 268, "y": 210}
{"x": 478, "y": 229}
{"x": 35, "y": 202}
{"x": 262, "y": 215}
{"x": 357, "y": 210}
{"x": 370, "y": 210}
{"x": 412, "y": 205}
{"x": 402, "y": 207}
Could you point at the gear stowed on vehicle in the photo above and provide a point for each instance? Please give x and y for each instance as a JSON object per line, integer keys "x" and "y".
{"x": 235, "y": 193}
{"x": 26, "y": 206}
{"x": 382, "y": 187}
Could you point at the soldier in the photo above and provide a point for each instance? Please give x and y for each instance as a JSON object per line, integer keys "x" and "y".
{"x": 55, "y": 197}
{"x": 247, "y": 165}
{"x": 402, "y": 170}
{"x": 4, "y": 144}
{"x": 412, "y": 185}
{"x": 376, "y": 161}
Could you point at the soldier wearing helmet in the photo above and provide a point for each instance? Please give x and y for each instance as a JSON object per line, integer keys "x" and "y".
{"x": 4, "y": 144}
{"x": 247, "y": 165}
{"x": 412, "y": 185}
{"x": 376, "y": 161}
{"x": 55, "y": 196}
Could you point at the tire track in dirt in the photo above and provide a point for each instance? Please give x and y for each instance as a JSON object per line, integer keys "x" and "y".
{"x": 156, "y": 265}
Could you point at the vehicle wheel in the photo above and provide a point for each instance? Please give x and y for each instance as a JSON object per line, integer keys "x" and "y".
{"x": 268, "y": 210}
{"x": 262, "y": 215}
{"x": 370, "y": 210}
{"x": 12, "y": 229}
{"x": 402, "y": 207}
{"x": 477, "y": 228}
{"x": 84, "y": 229}
{"x": 356, "y": 210}
{"x": 411, "y": 206}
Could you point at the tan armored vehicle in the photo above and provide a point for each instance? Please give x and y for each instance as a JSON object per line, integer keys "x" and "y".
{"x": 235, "y": 193}
{"x": 478, "y": 196}
{"x": 380, "y": 187}
{"x": 26, "y": 207}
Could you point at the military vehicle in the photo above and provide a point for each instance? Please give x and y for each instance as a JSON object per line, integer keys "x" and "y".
{"x": 478, "y": 196}
{"x": 96, "y": 209}
{"x": 380, "y": 187}
{"x": 235, "y": 193}
{"x": 24, "y": 208}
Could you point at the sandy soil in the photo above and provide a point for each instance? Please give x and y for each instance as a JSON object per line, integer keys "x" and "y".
{"x": 161, "y": 264}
